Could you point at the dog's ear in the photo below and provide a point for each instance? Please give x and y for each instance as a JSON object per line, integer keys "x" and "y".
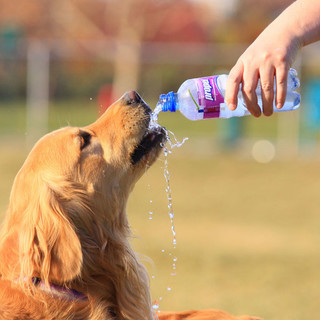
{"x": 49, "y": 247}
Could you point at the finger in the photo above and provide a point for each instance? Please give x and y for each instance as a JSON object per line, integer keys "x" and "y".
{"x": 232, "y": 86}
{"x": 267, "y": 91}
{"x": 281, "y": 86}
{"x": 250, "y": 81}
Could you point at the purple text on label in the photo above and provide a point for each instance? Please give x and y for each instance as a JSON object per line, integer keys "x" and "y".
{"x": 207, "y": 89}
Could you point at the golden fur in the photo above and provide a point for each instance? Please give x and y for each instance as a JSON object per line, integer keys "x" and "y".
{"x": 202, "y": 315}
{"x": 66, "y": 223}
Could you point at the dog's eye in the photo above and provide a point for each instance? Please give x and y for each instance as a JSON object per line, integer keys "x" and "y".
{"x": 85, "y": 139}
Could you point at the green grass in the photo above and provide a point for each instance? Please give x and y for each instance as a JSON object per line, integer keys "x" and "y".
{"x": 248, "y": 235}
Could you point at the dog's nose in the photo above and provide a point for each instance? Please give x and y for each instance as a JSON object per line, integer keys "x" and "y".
{"x": 132, "y": 97}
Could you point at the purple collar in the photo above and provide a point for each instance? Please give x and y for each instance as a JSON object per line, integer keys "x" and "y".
{"x": 64, "y": 293}
{"x": 61, "y": 292}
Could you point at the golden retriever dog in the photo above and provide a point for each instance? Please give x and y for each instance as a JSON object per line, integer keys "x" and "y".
{"x": 64, "y": 244}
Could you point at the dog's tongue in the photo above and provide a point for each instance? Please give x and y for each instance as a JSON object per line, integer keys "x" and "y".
{"x": 152, "y": 137}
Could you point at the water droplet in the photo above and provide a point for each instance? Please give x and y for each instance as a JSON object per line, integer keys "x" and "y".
{"x": 169, "y": 288}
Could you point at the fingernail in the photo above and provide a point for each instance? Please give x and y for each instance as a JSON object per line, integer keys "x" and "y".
{"x": 231, "y": 106}
{"x": 279, "y": 106}
{"x": 256, "y": 112}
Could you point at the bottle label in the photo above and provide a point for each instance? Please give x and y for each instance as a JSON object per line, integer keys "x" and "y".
{"x": 209, "y": 97}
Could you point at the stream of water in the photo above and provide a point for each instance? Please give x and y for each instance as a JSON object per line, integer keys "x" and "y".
{"x": 171, "y": 143}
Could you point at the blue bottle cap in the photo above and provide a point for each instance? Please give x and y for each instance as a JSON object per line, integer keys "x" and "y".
{"x": 168, "y": 102}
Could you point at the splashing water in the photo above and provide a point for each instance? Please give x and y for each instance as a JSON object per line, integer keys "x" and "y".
{"x": 155, "y": 113}
{"x": 154, "y": 124}
{"x": 173, "y": 142}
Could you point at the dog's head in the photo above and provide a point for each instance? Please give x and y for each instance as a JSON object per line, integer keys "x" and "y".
{"x": 112, "y": 152}
{"x": 73, "y": 181}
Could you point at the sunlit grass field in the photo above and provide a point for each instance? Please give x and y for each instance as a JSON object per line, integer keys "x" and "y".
{"x": 248, "y": 234}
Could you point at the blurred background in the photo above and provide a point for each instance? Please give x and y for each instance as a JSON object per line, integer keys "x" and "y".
{"x": 245, "y": 191}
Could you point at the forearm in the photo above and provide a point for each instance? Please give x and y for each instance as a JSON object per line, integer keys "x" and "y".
{"x": 300, "y": 22}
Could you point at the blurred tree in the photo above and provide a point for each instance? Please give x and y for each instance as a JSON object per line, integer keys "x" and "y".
{"x": 138, "y": 21}
{"x": 247, "y": 20}
{"x": 127, "y": 23}
{"x": 130, "y": 24}
{"x": 117, "y": 31}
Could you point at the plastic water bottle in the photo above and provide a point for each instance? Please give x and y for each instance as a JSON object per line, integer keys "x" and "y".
{"x": 203, "y": 98}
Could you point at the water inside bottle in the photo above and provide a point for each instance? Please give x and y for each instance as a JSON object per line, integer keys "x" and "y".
{"x": 172, "y": 142}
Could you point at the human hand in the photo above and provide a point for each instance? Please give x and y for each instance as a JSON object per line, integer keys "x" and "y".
{"x": 268, "y": 58}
